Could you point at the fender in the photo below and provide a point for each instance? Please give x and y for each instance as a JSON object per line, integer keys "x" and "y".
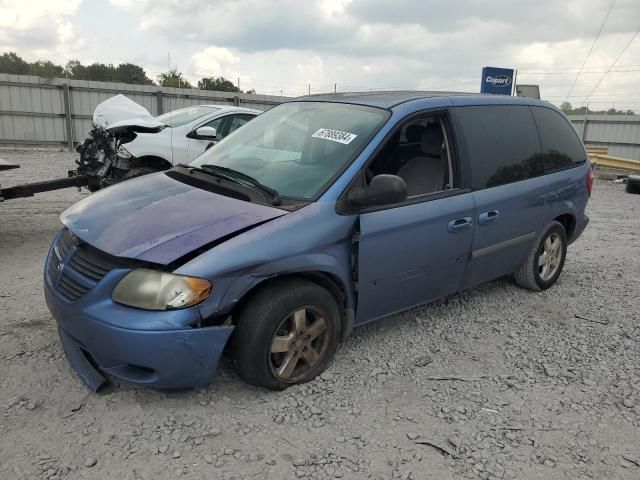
{"x": 335, "y": 265}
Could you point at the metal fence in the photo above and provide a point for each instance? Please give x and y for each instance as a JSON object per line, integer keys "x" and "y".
{"x": 41, "y": 111}
{"x": 620, "y": 133}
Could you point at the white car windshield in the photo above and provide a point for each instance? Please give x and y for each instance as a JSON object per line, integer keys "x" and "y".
{"x": 180, "y": 117}
{"x": 296, "y": 148}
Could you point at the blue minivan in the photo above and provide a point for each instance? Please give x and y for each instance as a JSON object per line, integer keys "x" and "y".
{"x": 322, "y": 214}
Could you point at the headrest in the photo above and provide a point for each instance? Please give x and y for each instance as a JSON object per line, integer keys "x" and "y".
{"x": 431, "y": 140}
{"x": 414, "y": 133}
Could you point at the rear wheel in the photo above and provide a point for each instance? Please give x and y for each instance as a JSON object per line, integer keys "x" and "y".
{"x": 286, "y": 334}
{"x": 545, "y": 261}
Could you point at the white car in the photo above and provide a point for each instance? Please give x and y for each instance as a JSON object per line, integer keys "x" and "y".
{"x": 189, "y": 132}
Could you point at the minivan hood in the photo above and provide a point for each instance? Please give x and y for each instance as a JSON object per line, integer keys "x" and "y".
{"x": 157, "y": 219}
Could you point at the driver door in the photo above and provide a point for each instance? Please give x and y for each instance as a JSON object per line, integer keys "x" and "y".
{"x": 415, "y": 251}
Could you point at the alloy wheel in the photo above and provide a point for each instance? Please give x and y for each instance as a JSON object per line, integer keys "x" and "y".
{"x": 550, "y": 256}
{"x": 299, "y": 344}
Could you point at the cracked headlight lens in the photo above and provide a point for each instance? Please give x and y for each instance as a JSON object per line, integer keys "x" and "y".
{"x": 154, "y": 290}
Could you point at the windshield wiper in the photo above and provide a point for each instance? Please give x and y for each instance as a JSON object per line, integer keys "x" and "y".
{"x": 238, "y": 177}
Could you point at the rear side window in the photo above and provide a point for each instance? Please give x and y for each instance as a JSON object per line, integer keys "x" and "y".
{"x": 502, "y": 143}
{"x": 561, "y": 147}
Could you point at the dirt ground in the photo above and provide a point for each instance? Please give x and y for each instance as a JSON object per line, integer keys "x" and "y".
{"x": 495, "y": 382}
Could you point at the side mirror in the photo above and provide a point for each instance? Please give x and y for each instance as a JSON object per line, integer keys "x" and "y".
{"x": 382, "y": 190}
{"x": 204, "y": 133}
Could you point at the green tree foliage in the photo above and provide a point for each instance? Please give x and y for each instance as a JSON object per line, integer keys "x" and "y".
{"x": 219, "y": 84}
{"x": 130, "y": 73}
{"x": 568, "y": 109}
{"x": 125, "y": 72}
{"x": 46, "y": 69}
{"x": 173, "y": 78}
{"x": 12, "y": 63}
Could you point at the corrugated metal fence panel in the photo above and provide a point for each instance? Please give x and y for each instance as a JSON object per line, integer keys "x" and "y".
{"x": 32, "y": 108}
{"x": 620, "y": 133}
{"x": 30, "y": 114}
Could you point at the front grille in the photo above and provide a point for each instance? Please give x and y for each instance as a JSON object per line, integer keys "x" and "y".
{"x": 75, "y": 268}
{"x": 90, "y": 263}
{"x": 60, "y": 249}
{"x": 70, "y": 289}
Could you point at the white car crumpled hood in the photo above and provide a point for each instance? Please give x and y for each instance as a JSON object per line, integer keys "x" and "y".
{"x": 120, "y": 113}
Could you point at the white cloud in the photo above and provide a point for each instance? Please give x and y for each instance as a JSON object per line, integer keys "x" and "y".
{"x": 39, "y": 28}
{"x": 283, "y": 45}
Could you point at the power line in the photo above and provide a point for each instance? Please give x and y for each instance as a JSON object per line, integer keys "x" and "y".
{"x": 591, "y": 49}
{"x": 612, "y": 65}
{"x": 571, "y": 73}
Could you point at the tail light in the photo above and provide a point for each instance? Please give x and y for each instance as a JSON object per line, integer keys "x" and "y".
{"x": 590, "y": 180}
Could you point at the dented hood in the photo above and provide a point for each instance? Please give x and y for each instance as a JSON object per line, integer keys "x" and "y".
{"x": 157, "y": 219}
{"x": 119, "y": 114}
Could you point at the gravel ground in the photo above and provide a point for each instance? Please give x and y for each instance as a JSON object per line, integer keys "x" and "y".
{"x": 495, "y": 382}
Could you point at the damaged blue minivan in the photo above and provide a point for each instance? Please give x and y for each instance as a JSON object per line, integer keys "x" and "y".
{"x": 322, "y": 214}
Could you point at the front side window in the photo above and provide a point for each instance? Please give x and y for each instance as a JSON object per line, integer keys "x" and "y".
{"x": 561, "y": 147}
{"x": 297, "y": 148}
{"x": 502, "y": 144}
{"x": 215, "y": 123}
{"x": 180, "y": 117}
{"x": 418, "y": 153}
{"x": 238, "y": 121}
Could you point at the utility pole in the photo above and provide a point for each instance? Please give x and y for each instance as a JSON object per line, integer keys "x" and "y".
{"x": 335, "y": 87}
{"x": 309, "y": 89}
{"x": 238, "y": 83}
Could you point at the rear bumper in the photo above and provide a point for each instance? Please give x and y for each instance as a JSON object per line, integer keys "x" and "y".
{"x": 581, "y": 223}
{"x": 183, "y": 358}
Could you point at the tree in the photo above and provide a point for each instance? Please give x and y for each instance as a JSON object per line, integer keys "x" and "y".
{"x": 219, "y": 84}
{"x": 130, "y": 73}
{"x": 173, "y": 78}
{"x": 566, "y": 107}
{"x": 251, "y": 91}
{"x": 46, "y": 69}
{"x": 11, "y": 63}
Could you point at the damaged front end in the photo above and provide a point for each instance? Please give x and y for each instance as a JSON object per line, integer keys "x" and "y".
{"x": 103, "y": 338}
{"x": 103, "y": 158}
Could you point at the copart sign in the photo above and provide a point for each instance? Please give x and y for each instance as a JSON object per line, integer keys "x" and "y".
{"x": 497, "y": 80}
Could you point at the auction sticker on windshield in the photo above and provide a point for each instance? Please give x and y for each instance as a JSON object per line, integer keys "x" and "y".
{"x": 335, "y": 135}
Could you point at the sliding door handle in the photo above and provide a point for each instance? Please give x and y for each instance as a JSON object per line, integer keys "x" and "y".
{"x": 488, "y": 217}
{"x": 459, "y": 224}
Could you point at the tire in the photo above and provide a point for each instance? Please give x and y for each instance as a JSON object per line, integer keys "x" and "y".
{"x": 268, "y": 322}
{"x": 633, "y": 185}
{"x": 532, "y": 275}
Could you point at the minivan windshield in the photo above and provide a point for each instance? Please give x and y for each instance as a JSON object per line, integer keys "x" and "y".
{"x": 297, "y": 148}
{"x": 180, "y": 117}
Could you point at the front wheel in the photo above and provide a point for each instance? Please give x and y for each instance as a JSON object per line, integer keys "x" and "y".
{"x": 286, "y": 334}
{"x": 545, "y": 261}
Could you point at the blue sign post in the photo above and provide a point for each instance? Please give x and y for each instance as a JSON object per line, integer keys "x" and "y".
{"x": 497, "y": 80}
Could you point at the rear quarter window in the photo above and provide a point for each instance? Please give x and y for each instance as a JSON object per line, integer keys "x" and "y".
{"x": 561, "y": 147}
{"x": 502, "y": 144}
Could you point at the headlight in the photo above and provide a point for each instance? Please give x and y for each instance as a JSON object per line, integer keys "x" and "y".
{"x": 153, "y": 290}
{"x": 123, "y": 152}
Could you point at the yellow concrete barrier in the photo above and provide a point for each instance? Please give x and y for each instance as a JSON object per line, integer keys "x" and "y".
{"x": 614, "y": 162}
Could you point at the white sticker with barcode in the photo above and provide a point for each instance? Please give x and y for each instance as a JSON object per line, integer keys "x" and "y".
{"x": 335, "y": 135}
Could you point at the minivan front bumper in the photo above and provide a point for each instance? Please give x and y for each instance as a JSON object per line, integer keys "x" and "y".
{"x": 162, "y": 349}
{"x": 185, "y": 358}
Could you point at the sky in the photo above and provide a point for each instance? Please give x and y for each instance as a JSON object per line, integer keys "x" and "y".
{"x": 288, "y": 47}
